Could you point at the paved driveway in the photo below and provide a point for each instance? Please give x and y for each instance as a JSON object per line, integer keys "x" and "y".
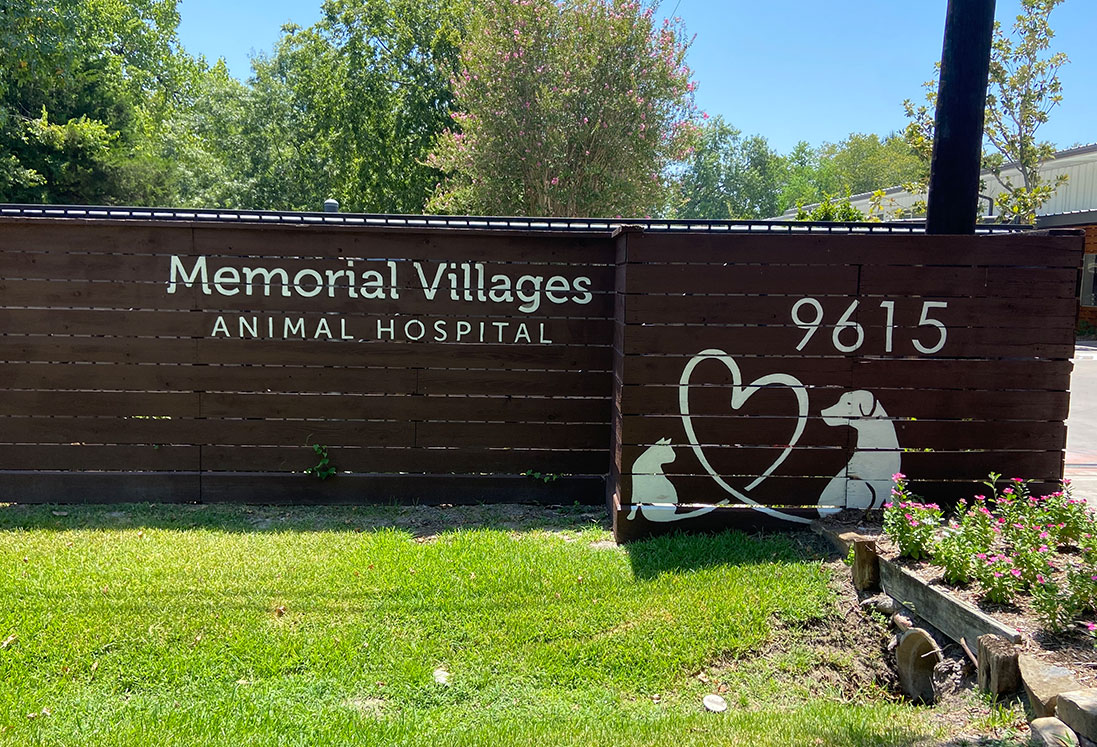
{"x": 1081, "y": 462}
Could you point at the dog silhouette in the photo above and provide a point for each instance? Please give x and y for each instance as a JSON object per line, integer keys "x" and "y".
{"x": 865, "y": 481}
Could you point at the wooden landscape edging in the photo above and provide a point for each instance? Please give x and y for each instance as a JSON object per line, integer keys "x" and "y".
{"x": 960, "y": 621}
{"x": 696, "y": 380}
{"x": 954, "y": 617}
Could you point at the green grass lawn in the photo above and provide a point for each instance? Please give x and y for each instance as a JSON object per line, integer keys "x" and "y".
{"x": 200, "y": 625}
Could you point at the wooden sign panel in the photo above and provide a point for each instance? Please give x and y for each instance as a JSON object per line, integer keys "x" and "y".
{"x": 771, "y": 379}
{"x": 198, "y": 362}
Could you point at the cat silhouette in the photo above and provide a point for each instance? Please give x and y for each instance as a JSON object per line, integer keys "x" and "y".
{"x": 651, "y": 486}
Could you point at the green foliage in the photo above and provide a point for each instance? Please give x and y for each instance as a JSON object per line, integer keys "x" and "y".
{"x": 999, "y": 577}
{"x": 545, "y": 477}
{"x": 1054, "y": 609}
{"x": 1017, "y": 546}
{"x": 567, "y": 108}
{"x": 729, "y": 176}
{"x": 1023, "y": 88}
{"x": 862, "y": 163}
{"x": 971, "y": 532}
{"x": 323, "y": 469}
{"x": 856, "y": 165}
{"x": 831, "y": 209}
{"x": 349, "y": 107}
{"x": 81, "y": 85}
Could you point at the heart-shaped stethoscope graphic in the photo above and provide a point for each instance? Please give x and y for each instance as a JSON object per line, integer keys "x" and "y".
{"x": 739, "y": 396}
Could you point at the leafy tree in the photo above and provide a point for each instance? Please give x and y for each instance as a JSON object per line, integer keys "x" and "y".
{"x": 862, "y": 163}
{"x": 859, "y": 163}
{"x": 1023, "y": 88}
{"x": 809, "y": 176}
{"x": 349, "y": 107}
{"x": 81, "y": 82}
{"x": 202, "y": 138}
{"x": 729, "y": 176}
{"x": 574, "y": 107}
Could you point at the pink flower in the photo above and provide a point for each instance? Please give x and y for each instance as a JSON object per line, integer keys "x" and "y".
{"x": 1039, "y": 578}
{"x": 997, "y": 574}
{"x": 898, "y": 476}
{"x": 1091, "y": 626}
{"x": 1042, "y": 548}
{"x": 1016, "y": 572}
{"x": 1016, "y": 479}
{"x": 1043, "y": 535}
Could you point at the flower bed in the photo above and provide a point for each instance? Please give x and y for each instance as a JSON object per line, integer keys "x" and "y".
{"x": 1009, "y": 548}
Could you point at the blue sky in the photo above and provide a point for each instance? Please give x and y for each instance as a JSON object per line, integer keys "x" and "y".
{"x": 786, "y": 69}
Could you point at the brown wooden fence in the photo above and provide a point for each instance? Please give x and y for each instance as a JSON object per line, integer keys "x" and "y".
{"x": 717, "y": 379}
{"x": 776, "y": 377}
{"x": 453, "y": 363}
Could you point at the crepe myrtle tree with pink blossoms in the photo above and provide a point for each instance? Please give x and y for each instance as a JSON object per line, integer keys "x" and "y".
{"x": 574, "y": 107}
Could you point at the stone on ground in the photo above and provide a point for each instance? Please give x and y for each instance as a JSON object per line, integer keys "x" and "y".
{"x": 1051, "y": 732}
{"x": 1043, "y": 682}
{"x": 1078, "y": 710}
{"x": 881, "y": 603}
{"x": 715, "y": 703}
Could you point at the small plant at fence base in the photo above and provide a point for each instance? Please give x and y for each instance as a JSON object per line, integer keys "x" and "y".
{"x": 545, "y": 477}
{"x": 323, "y": 469}
{"x": 1017, "y": 548}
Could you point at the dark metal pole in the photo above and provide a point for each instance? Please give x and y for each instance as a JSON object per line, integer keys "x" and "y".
{"x": 958, "y": 131}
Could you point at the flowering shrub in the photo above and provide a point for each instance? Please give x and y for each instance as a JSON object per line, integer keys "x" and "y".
{"x": 971, "y": 532}
{"x": 977, "y": 522}
{"x": 1067, "y": 513}
{"x": 1011, "y": 543}
{"x": 1053, "y": 608}
{"x": 1000, "y": 579}
{"x": 911, "y": 525}
{"x": 568, "y": 107}
{"x": 955, "y": 553}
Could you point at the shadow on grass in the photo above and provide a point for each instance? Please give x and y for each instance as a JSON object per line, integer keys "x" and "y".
{"x": 679, "y": 552}
{"x": 419, "y": 521}
{"x": 671, "y": 553}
